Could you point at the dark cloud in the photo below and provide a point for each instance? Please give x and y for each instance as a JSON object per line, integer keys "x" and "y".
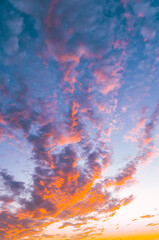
{"x": 10, "y": 184}
{"x": 126, "y": 176}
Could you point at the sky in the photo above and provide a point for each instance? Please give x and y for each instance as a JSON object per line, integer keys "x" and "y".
{"x": 79, "y": 114}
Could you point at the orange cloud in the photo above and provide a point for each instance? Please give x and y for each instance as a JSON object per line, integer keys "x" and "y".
{"x": 147, "y": 216}
{"x": 152, "y": 224}
{"x": 134, "y": 219}
{"x": 108, "y": 83}
{"x": 123, "y": 178}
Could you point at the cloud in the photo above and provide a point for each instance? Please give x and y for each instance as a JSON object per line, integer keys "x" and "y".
{"x": 11, "y": 46}
{"x": 135, "y": 219}
{"x": 63, "y": 67}
{"x": 10, "y": 184}
{"x": 136, "y": 131}
{"x": 24, "y": 227}
{"x": 125, "y": 177}
{"x": 152, "y": 224}
{"x": 15, "y": 25}
{"x": 147, "y": 216}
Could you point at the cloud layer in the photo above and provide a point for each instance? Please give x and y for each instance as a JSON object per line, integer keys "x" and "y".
{"x": 70, "y": 72}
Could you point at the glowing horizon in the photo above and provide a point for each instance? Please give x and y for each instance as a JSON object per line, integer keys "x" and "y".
{"x": 79, "y": 114}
